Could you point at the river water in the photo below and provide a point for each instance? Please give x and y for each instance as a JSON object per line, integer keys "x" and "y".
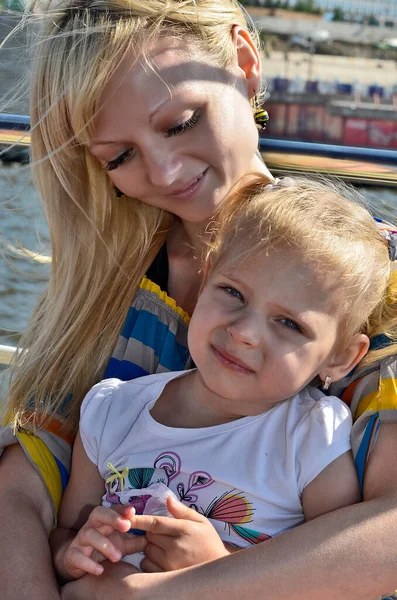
{"x": 22, "y": 223}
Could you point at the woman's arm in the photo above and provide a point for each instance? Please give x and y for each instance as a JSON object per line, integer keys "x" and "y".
{"x": 349, "y": 554}
{"x": 26, "y": 519}
{"x": 336, "y": 486}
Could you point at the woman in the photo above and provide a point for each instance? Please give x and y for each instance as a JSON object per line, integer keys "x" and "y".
{"x": 151, "y": 97}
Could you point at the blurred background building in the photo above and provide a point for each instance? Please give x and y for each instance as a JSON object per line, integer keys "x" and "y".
{"x": 384, "y": 11}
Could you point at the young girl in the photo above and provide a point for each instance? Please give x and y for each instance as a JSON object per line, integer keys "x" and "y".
{"x": 246, "y": 439}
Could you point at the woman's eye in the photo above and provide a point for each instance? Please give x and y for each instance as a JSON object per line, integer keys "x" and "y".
{"x": 185, "y": 126}
{"x": 111, "y": 165}
{"x": 234, "y": 293}
{"x": 290, "y": 324}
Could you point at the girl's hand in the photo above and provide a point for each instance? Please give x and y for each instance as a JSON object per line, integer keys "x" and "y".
{"x": 104, "y": 536}
{"x": 171, "y": 544}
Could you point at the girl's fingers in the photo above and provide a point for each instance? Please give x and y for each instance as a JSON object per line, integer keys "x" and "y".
{"x": 128, "y": 543}
{"x": 103, "y": 516}
{"x": 125, "y": 511}
{"x": 162, "y": 541}
{"x": 76, "y": 561}
{"x": 155, "y": 556}
{"x": 147, "y": 566}
{"x": 158, "y": 525}
{"x": 135, "y": 543}
{"x": 94, "y": 539}
{"x": 181, "y": 511}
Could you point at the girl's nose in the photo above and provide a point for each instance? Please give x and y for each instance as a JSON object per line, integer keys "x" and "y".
{"x": 246, "y": 330}
{"x": 163, "y": 167}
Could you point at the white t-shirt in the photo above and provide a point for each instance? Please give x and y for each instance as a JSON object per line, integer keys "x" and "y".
{"x": 246, "y": 476}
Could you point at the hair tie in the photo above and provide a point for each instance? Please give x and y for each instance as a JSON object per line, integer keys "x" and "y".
{"x": 280, "y": 183}
{"x": 390, "y": 235}
{"x": 392, "y": 243}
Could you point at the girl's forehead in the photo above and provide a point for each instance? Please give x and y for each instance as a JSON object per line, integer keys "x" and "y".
{"x": 254, "y": 265}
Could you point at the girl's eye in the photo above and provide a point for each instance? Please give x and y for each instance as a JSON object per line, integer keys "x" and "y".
{"x": 185, "y": 126}
{"x": 111, "y": 165}
{"x": 234, "y": 293}
{"x": 290, "y": 324}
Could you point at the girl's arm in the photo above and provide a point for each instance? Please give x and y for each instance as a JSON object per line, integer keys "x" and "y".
{"x": 348, "y": 554}
{"x": 86, "y": 528}
{"x": 26, "y": 519}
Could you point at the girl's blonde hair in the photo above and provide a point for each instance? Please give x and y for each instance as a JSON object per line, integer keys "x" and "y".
{"x": 328, "y": 226}
{"x": 101, "y": 245}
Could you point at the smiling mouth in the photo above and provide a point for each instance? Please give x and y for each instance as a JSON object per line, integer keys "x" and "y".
{"x": 191, "y": 188}
{"x": 231, "y": 362}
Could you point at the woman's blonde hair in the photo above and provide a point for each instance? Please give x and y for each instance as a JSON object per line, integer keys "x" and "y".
{"x": 101, "y": 245}
{"x": 327, "y": 225}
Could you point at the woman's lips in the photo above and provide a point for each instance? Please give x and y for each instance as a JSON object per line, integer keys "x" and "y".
{"x": 192, "y": 187}
{"x": 231, "y": 362}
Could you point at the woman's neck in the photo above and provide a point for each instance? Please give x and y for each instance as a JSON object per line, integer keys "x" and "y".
{"x": 187, "y": 239}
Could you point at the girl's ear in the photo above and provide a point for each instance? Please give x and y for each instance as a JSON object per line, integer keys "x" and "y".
{"x": 247, "y": 58}
{"x": 344, "y": 360}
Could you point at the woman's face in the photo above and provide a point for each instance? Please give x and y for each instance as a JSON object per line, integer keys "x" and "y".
{"x": 179, "y": 136}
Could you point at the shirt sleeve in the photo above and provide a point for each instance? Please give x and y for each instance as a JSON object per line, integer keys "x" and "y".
{"x": 94, "y": 415}
{"x": 323, "y": 436}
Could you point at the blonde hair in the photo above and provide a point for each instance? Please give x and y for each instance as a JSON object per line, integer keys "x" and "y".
{"x": 101, "y": 246}
{"x": 328, "y": 225}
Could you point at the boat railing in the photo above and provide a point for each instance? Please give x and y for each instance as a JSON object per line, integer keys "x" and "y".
{"x": 7, "y": 353}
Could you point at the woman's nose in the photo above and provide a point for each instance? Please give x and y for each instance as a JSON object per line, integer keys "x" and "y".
{"x": 163, "y": 167}
{"x": 247, "y": 330}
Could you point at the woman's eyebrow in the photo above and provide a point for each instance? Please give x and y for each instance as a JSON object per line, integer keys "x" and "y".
{"x": 100, "y": 142}
{"x": 159, "y": 107}
{"x": 95, "y": 142}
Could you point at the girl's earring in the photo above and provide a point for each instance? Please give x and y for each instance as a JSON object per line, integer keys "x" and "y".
{"x": 261, "y": 116}
{"x": 327, "y": 382}
{"x": 118, "y": 192}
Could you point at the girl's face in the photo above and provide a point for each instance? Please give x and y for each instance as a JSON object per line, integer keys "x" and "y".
{"x": 179, "y": 136}
{"x": 262, "y": 330}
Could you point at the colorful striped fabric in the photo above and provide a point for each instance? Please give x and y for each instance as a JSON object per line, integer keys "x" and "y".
{"x": 153, "y": 340}
{"x": 371, "y": 394}
{"x": 154, "y": 336}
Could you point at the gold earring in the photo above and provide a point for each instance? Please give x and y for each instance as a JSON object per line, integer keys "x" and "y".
{"x": 261, "y": 116}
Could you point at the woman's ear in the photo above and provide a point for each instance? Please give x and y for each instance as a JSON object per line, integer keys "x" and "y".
{"x": 345, "y": 359}
{"x": 247, "y": 58}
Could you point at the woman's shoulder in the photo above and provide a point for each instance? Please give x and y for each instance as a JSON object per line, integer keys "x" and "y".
{"x": 153, "y": 338}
